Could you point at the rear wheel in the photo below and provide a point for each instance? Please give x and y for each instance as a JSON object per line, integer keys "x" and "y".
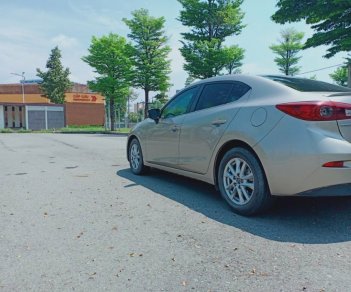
{"x": 242, "y": 182}
{"x": 136, "y": 161}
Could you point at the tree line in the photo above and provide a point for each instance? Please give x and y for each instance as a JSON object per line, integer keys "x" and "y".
{"x": 141, "y": 60}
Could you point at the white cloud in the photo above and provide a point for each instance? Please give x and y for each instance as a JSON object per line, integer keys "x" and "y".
{"x": 257, "y": 69}
{"x": 64, "y": 41}
{"x": 91, "y": 15}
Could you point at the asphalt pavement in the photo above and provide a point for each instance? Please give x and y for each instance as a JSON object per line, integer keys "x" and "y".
{"x": 74, "y": 218}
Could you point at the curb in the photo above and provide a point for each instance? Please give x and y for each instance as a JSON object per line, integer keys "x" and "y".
{"x": 94, "y": 132}
{"x": 75, "y": 132}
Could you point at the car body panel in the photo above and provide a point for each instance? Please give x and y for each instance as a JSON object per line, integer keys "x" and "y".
{"x": 344, "y": 125}
{"x": 292, "y": 168}
{"x": 200, "y": 134}
{"x": 291, "y": 151}
{"x": 162, "y": 141}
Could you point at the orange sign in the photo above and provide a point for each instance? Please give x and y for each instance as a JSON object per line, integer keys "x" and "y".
{"x": 77, "y": 97}
{"x": 84, "y": 97}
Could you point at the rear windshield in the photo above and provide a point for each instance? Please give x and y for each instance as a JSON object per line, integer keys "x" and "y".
{"x": 302, "y": 84}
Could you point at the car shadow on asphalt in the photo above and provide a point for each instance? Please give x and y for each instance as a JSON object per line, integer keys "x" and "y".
{"x": 294, "y": 219}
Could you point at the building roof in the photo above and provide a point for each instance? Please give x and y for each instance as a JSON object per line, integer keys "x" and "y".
{"x": 35, "y": 89}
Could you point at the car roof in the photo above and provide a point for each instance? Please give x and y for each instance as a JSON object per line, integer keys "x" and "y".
{"x": 252, "y": 80}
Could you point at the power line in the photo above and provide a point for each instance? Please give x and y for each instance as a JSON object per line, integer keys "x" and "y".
{"x": 339, "y": 65}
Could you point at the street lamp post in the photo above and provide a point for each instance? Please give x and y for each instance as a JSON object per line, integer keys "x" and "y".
{"x": 22, "y": 82}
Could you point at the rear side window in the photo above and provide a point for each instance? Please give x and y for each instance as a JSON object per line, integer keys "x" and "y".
{"x": 221, "y": 93}
{"x": 239, "y": 89}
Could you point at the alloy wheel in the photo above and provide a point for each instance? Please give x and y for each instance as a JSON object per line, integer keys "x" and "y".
{"x": 135, "y": 156}
{"x": 238, "y": 181}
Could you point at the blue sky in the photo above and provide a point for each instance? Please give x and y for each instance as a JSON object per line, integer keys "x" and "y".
{"x": 30, "y": 29}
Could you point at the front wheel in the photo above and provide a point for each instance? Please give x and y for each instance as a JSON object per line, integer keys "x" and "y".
{"x": 242, "y": 182}
{"x": 136, "y": 161}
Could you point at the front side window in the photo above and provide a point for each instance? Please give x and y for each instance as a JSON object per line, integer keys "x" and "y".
{"x": 180, "y": 104}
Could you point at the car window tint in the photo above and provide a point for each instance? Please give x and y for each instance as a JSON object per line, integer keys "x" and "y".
{"x": 239, "y": 89}
{"x": 214, "y": 94}
{"x": 179, "y": 105}
{"x": 306, "y": 85}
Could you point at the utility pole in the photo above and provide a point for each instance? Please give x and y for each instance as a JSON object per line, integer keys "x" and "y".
{"x": 349, "y": 74}
{"x": 22, "y": 82}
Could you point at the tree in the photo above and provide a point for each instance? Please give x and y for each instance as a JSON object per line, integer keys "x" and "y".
{"x": 189, "y": 80}
{"x": 340, "y": 76}
{"x": 55, "y": 80}
{"x": 236, "y": 55}
{"x": 287, "y": 51}
{"x": 157, "y": 104}
{"x": 133, "y": 117}
{"x": 331, "y": 21}
{"x": 151, "y": 66}
{"x": 162, "y": 97}
{"x": 110, "y": 57}
{"x": 210, "y": 23}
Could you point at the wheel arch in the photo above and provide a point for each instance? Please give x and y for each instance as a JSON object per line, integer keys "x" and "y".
{"x": 225, "y": 148}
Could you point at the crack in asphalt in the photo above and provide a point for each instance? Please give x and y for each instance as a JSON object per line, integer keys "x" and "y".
{"x": 6, "y": 147}
{"x": 61, "y": 142}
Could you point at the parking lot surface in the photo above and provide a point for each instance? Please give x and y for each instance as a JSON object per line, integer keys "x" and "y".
{"x": 73, "y": 217}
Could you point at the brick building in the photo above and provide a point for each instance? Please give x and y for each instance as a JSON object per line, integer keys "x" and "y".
{"x": 18, "y": 110}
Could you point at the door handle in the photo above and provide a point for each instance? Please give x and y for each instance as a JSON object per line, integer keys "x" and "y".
{"x": 217, "y": 123}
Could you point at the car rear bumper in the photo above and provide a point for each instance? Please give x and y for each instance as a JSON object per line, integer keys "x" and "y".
{"x": 294, "y": 166}
{"x": 330, "y": 191}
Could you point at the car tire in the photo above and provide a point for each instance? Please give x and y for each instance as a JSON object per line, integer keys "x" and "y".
{"x": 136, "y": 160}
{"x": 242, "y": 182}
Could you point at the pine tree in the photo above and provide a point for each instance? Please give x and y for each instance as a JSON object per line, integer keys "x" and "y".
{"x": 55, "y": 80}
{"x": 287, "y": 51}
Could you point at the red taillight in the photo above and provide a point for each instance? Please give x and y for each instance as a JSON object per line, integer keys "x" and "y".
{"x": 317, "y": 110}
{"x": 337, "y": 164}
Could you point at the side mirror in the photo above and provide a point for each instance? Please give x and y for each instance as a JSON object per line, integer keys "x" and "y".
{"x": 154, "y": 114}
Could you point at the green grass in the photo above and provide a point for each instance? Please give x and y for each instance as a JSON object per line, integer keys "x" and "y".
{"x": 83, "y": 129}
{"x": 6, "y": 131}
{"x": 123, "y": 130}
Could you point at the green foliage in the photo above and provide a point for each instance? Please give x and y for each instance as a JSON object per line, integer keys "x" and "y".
{"x": 189, "y": 80}
{"x": 133, "y": 117}
{"x": 340, "y": 76}
{"x": 287, "y": 51}
{"x": 235, "y": 56}
{"x": 331, "y": 21}
{"x": 149, "y": 53}
{"x": 157, "y": 104}
{"x": 211, "y": 19}
{"x": 313, "y": 77}
{"x": 210, "y": 23}
{"x": 162, "y": 97}
{"x": 110, "y": 57}
{"x": 55, "y": 80}
{"x": 133, "y": 95}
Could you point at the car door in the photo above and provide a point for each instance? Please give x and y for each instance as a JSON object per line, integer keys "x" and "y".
{"x": 202, "y": 129}
{"x": 162, "y": 141}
